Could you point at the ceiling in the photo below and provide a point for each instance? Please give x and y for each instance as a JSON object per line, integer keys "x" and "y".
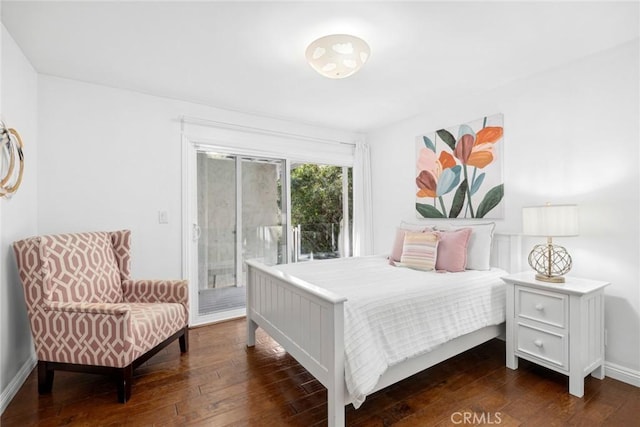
{"x": 251, "y": 56}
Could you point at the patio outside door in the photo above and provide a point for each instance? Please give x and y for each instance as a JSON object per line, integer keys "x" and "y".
{"x": 241, "y": 215}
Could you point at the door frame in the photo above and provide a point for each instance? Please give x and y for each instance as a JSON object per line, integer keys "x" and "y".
{"x": 191, "y": 230}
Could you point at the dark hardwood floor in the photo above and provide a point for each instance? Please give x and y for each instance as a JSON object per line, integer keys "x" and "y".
{"x": 221, "y": 382}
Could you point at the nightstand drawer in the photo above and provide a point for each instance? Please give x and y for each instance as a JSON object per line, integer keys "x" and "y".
{"x": 556, "y": 325}
{"x": 547, "y": 346}
{"x": 545, "y": 307}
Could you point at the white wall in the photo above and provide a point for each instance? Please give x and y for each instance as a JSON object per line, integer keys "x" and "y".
{"x": 112, "y": 159}
{"x": 571, "y": 136}
{"x": 18, "y": 218}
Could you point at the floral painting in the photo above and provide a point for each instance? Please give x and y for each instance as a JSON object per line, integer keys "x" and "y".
{"x": 459, "y": 171}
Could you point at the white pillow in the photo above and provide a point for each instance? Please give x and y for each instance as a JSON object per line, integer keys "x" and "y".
{"x": 416, "y": 227}
{"x": 479, "y": 248}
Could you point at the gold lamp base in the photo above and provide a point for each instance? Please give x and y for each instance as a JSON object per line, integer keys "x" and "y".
{"x": 550, "y": 261}
{"x": 551, "y": 279}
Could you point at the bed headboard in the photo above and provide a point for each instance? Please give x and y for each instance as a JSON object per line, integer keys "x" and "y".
{"x": 506, "y": 252}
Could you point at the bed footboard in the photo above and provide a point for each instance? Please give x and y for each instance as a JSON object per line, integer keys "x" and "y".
{"x": 307, "y": 321}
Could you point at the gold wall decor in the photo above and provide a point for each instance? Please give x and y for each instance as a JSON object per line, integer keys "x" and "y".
{"x": 11, "y": 160}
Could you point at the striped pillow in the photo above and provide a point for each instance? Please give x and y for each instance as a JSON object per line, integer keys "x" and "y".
{"x": 419, "y": 250}
{"x": 396, "y": 251}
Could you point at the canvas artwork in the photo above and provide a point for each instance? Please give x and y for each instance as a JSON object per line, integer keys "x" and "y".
{"x": 459, "y": 171}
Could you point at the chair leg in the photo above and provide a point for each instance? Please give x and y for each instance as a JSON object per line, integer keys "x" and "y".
{"x": 184, "y": 340}
{"x": 45, "y": 377}
{"x": 124, "y": 378}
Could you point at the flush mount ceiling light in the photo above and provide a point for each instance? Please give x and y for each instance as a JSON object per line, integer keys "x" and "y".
{"x": 338, "y": 56}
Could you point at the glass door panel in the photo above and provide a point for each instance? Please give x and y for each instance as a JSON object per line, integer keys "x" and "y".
{"x": 240, "y": 217}
{"x": 217, "y": 197}
{"x": 320, "y": 211}
{"x": 262, "y": 212}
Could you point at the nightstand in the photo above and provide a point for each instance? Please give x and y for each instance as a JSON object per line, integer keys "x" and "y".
{"x": 557, "y": 325}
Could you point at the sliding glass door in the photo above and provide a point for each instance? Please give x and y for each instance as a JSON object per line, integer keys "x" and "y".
{"x": 245, "y": 206}
{"x": 240, "y": 216}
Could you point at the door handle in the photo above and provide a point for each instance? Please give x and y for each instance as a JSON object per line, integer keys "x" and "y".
{"x": 196, "y": 232}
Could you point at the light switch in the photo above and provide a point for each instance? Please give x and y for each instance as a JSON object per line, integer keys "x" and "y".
{"x": 163, "y": 217}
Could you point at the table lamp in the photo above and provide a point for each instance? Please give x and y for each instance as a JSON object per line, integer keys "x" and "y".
{"x": 550, "y": 261}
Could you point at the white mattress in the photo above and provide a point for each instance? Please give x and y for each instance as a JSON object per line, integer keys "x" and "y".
{"x": 394, "y": 313}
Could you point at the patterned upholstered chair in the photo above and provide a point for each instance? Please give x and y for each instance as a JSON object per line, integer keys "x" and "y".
{"x": 88, "y": 315}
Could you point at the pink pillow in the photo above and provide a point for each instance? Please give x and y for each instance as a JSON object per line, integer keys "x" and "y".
{"x": 452, "y": 250}
{"x": 398, "y": 243}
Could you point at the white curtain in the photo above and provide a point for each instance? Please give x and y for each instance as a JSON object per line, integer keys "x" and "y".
{"x": 362, "y": 220}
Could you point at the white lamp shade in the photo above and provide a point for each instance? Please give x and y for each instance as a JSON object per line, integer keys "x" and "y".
{"x": 337, "y": 56}
{"x": 550, "y": 220}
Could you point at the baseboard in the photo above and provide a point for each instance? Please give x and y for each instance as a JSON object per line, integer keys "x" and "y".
{"x": 621, "y": 373}
{"x": 12, "y": 388}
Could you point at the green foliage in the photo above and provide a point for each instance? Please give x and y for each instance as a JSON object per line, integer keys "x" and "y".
{"x": 458, "y": 200}
{"x": 449, "y": 139}
{"x": 316, "y": 203}
{"x": 428, "y": 211}
{"x": 490, "y": 201}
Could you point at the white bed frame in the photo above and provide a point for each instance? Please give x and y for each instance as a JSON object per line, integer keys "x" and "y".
{"x": 308, "y": 322}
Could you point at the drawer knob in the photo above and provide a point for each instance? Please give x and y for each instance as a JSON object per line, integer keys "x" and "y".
{"x": 539, "y": 307}
{"x": 538, "y": 343}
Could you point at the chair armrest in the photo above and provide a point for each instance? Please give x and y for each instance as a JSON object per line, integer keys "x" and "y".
{"x": 175, "y": 291}
{"x": 97, "y": 334}
{"x": 88, "y": 307}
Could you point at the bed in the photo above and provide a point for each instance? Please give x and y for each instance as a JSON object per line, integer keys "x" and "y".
{"x": 304, "y": 308}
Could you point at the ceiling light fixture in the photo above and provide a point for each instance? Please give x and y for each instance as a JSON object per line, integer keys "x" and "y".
{"x": 338, "y": 56}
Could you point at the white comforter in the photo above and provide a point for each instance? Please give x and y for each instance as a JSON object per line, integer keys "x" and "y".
{"x": 394, "y": 313}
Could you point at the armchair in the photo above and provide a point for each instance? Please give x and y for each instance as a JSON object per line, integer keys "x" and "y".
{"x": 88, "y": 315}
